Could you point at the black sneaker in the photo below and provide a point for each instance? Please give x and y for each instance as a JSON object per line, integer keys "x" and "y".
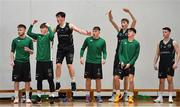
{"x": 37, "y": 100}
{"x": 51, "y": 100}
{"x": 73, "y": 86}
{"x": 58, "y": 86}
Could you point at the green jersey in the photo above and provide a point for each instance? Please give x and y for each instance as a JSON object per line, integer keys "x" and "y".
{"x": 95, "y": 49}
{"x": 17, "y": 47}
{"x": 129, "y": 51}
{"x": 43, "y": 44}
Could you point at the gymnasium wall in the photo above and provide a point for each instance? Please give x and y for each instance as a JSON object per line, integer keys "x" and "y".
{"x": 151, "y": 16}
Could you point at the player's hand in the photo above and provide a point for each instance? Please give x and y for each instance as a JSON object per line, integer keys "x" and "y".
{"x": 89, "y": 33}
{"x": 110, "y": 15}
{"x": 127, "y": 66}
{"x": 34, "y": 40}
{"x": 47, "y": 24}
{"x": 103, "y": 61}
{"x": 27, "y": 49}
{"x": 12, "y": 63}
{"x": 35, "y": 21}
{"x": 155, "y": 67}
{"x": 81, "y": 60}
{"x": 126, "y": 10}
{"x": 174, "y": 66}
{"x": 122, "y": 65}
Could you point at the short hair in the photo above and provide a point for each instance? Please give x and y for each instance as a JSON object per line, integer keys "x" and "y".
{"x": 167, "y": 28}
{"x": 21, "y": 26}
{"x": 132, "y": 29}
{"x": 96, "y": 28}
{"x": 125, "y": 20}
{"x": 62, "y": 14}
{"x": 43, "y": 25}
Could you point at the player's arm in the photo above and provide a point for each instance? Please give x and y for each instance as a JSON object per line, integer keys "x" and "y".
{"x": 133, "y": 60}
{"x": 104, "y": 53}
{"x": 177, "y": 50}
{"x": 30, "y": 33}
{"x": 82, "y": 51}
{"x": 133, "y": 24}
{"x": 112, "y": 21}
{"x": 29, "y": 49}
{"x": 51, "y": 33}
{"x": 13, "y": 47}
{"x": 156, "y": 57}
{"x": 79, "y": 30}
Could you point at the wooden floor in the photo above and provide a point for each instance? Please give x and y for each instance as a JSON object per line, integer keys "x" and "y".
{"x": 81, "y": 103}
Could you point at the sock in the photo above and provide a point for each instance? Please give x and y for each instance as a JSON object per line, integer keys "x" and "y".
{"x": 16, "y": 94}
{"x": 118, "y": 92}
{"x": 114, "y": 92}
{"x": 73, "y": 79}
{"x": 160, "y": 94}
{"x": 58, "y": 80}
{"x": 27, "y": 94}
{"x": 125, "y": 91}
{"x": 98, "y": 94}
{"x": 170, "y": 95}
{"x": 51, "y": 94}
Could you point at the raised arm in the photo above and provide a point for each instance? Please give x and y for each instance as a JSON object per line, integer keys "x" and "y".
{"x": 133, "y": 24}
{"x": 79, "y": 30}
{"x": 177, "y": 50}
{"x": 30, "y": 33}
{"x": 51, "y": 33}
{"x": 156, "y": 57}
{"x": 112, "y": 21}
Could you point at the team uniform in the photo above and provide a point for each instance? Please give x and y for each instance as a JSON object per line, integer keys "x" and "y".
{"x": 128, "y": 54}
{"x": 116, "y": 68}
{"x": 65, "y": 44}
{"x": 21, "y": 69}
{"x": 167, "y": 59}
{"x": 95, "y": 48}
{"x": 44, "y": 65}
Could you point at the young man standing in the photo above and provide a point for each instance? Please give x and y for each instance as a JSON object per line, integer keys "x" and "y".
{"x": 21, "y": 47}
{"x": 96, "y": 46}
{"x": 128, "y": 54}
{"x": 166, "y": 50}
{"x": 44, "y": 65}
{"x": 66, "y": 47}
{"x": 122, "y": 34}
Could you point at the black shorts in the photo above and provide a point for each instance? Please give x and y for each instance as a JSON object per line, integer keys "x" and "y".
{"x": 21, "y": 72}
{"x": 93, "y": 71}
{"x": 126, "y": 72}
{"x": 65, "y": 52}
{"x": 165, "y": 70}
{"x": 116, "y": 68}
{"x": 44, "y": 70}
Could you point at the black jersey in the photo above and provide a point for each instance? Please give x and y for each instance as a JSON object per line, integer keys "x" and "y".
{"x": 121, "y": 35}
{"x": 167, "y": 52}
{"x": 65, "y": 36}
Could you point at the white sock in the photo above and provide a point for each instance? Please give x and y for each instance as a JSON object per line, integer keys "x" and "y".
{"x": 16, "y": 94}
{"x": 170, "y": 95}
{"x": 58, "y": 80}
{"x": 87, "y": 93}
{"x": 73, "y": 79}
{"x": 118, "y": 92}
{"x": 114, "y": 91}
{"x": 27, "y": 94}
{"x": 51, "y": 94}
{"x": 160, "y": 94}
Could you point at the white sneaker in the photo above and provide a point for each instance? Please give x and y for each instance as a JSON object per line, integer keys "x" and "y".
{"x": 111, "y": 99}
{"x": 171, "y": 100}
{"x": 16, "y": 101}
{"x": 28, "y": 101}
{"x": 159, "y": 100}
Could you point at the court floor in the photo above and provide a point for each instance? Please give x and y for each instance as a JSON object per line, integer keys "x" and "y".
{"x": 81, "y": 103}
